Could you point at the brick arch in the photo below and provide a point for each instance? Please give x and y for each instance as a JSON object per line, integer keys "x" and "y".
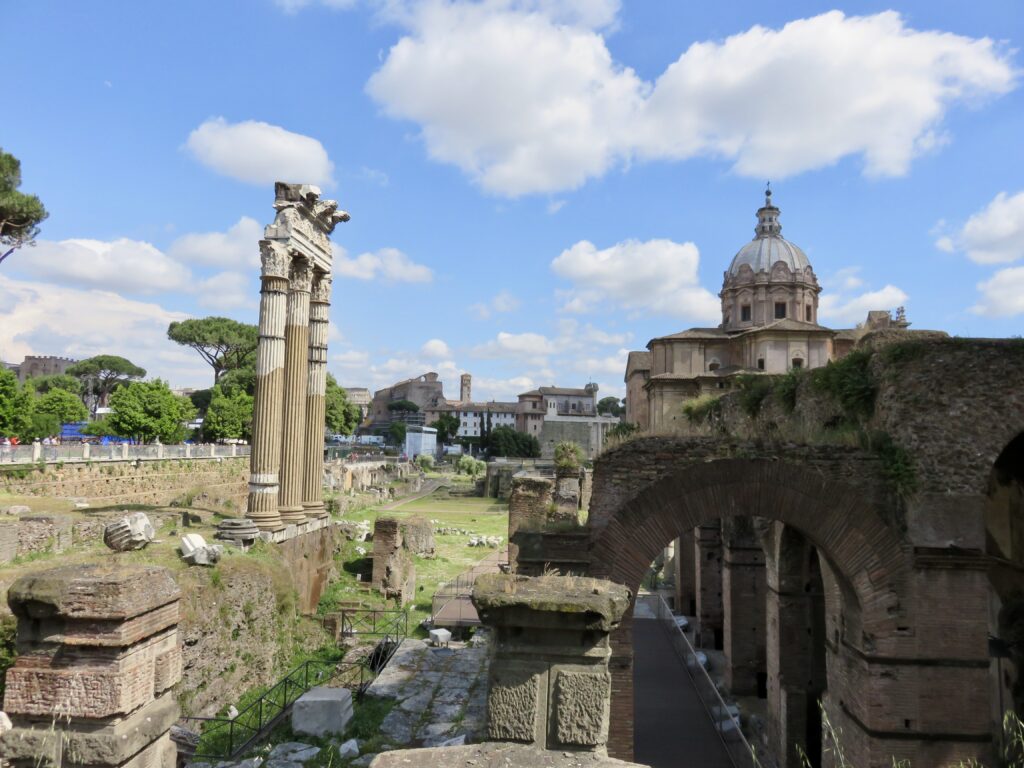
{"x": 844, "y": 519}
{"x": 835, "y": 516}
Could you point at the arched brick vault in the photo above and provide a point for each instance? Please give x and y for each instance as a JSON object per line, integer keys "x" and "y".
{"x": 812, "y": 489}
{"x": 652, "y": 490}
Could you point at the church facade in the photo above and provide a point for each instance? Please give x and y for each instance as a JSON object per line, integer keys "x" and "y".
{"x": 769, "y": 326}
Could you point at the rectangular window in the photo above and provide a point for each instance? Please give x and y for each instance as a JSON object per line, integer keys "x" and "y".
{"x": 808, "y": 313}
{"x": 780, "y": 310}
{"x": 745, "y": 313}
{"x": 760, "y": 364}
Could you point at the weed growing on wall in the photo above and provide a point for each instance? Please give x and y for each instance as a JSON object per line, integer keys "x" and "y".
{"x": 753, "y": 390}
{"x": 703, "y": 410}
{"x": 850, "y": 382}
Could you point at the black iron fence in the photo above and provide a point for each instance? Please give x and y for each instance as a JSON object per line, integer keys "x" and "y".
{"x": 229, "y": 737}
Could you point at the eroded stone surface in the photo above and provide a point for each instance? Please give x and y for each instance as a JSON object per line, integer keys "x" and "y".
{"x": 496, "y": 754}
{"x": 512, "y": 705}
{"x": 581, "y": 707}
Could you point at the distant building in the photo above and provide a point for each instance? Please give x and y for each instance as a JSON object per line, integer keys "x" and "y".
{"x": 359, "y": 397}
{"x": 41, "y": 365}
{"x": 557, "y": 414}
{"x": 769, "y": 326}
{"x": 426, "y": 391}
{"x": 420, "y": 440}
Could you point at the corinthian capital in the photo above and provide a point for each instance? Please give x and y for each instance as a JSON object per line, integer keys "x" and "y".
{"x": 321, "y": 288}
{"x": 300, "y": 274}
{"x": 274, "y": 257}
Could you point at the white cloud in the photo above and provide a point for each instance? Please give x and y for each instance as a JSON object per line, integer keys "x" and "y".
{"x": 657, "y": 276}
{"x": 534, "y": 102}
{"x": 487, "y": 388}
{"x": 129, "y": 266}
{"x": 387, "y": 263}
{"x": 260, "y": 153}
{"x": 238, "y": 247}
{"x": 839, "y": 308}
{"x": 993, "y": 235}
{"x": 1002, "y": 294}
{"x": 48, "y": 319}
{"x": 614, "y": 365}
{"x": 436, "y": 348}
{"x": 529, "y": 347}
{"x": 555, "y": 206}
{"x": 528, "y": 105}
{"x": 503, "y": 301}
{"x": 228, "y": 290}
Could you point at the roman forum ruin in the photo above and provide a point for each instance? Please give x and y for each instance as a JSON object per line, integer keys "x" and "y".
{"x": 286, "y": 481}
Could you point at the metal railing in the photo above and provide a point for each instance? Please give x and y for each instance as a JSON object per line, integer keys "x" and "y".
{"x": 229, "y": 737}
{"x": 374, "y": 622}
{"x": 724, "y": 717}
{"x": 73, "y": 452}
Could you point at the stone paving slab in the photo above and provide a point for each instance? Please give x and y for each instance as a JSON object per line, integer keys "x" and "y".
{"x": 440, "y": 694}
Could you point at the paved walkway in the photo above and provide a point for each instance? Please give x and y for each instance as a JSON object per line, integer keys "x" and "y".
{"x": 428, "y": 488}
{"x": 672, "y": 730}
{"x": 452, "y": 599}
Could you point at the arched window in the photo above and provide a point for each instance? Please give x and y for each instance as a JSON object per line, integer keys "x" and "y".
{"x": 797, "y": 362}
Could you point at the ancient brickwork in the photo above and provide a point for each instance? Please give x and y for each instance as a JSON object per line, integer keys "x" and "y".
{"x": 98, "y": 654}
{"x": 393, "y": 571}
{"x": 139, "y": 482}
{"x": 418, "y": 536}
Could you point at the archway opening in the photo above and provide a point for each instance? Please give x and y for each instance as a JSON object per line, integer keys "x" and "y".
{"x": 1004, "y": 549}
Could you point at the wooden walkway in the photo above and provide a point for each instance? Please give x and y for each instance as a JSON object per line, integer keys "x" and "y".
{"x": 452, "y": 606}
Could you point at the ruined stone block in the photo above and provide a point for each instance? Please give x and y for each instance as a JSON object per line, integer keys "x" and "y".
{"x": 512, "y": 701}
{"x": 581, "y": 707}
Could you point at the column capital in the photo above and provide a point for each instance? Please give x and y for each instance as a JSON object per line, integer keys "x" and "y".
{"x": 321, "y": 291}
{"x": 274, "y": 257}
{"x": 300, "y": 274}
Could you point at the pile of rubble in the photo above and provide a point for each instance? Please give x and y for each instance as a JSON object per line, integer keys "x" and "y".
{"x": 485, "y": 541}
{"x": 445, "y": 531}
{"x": 133, "y": 531}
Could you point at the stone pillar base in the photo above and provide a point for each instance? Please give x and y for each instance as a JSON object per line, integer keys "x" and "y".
{"x": 292, "y": 515}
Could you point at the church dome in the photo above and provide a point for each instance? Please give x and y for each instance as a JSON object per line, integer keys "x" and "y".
{"x": 768, "y": 245}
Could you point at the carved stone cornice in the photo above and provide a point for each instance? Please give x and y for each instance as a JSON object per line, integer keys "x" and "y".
{"x": 300, "y": 274}
{"x": 275, "y": 258}
{"x": 304, "y": 222}
{"x": 321, "y": 291}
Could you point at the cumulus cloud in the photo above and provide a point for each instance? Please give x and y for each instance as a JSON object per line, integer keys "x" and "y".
{"x": 854, "y": 309}
{"x": 529, "y": 104}
{"x": 657, "y": 276}
{"x": 48, "y": 319}
{"x": 993, "y": 235}
{"x": 1002, "y": 295}
{"x": 436, "y": 348}
{"x": 237, "y": 248}
{"x": 228, "y": 290}
{"x": 260, "y": 153}
{"x": 128, "y": 266}
{"x": 528, "y": 347}
{"x": 534, "y": 101}
{"x": 386, "y": 263}
{"x": 503, "y": 301}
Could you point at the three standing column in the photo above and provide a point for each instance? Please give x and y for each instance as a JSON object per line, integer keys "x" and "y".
{"x": 296, "y": 355}
{"x": 316, "y": 390}
{"x": 270, "y": 354}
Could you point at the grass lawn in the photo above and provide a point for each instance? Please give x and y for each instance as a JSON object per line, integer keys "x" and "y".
{"x": 479, "y": 516}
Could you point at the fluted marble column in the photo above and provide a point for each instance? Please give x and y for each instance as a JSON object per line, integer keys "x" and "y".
{"x": 296, "y": 356}
{"x": 265, "y": 459}
{"x": 316, "y": 387}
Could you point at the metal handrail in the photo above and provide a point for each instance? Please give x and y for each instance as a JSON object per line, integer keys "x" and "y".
{"x": 374, "y": 621}
{"x": 246, "y": 728}
{"x": 726, "y": 725}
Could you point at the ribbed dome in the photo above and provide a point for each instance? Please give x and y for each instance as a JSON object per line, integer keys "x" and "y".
{"x": 768, "y": 246}
{"x": 761, "y": 253}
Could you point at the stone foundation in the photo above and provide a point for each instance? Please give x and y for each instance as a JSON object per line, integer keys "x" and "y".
{"x": 98, "y": 654}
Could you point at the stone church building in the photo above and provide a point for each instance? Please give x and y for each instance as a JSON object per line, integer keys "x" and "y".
{"x": 769, "y": 326}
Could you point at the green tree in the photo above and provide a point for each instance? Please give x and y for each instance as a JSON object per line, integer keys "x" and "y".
{"x": 20, "y": 214}
{"x": 405, "y": 406}
{"x": 242, "y": 378}
{"x": 470, "y": 466}
{"x": 506, "y": 441}
{"x": 99, "y": 428}
{"x": 147, "y": 410}
{"x": 65, "y": 407}
{"x": 447, "y": 426}
{"x": 15, "y": 407}
{"x": 341, "y": 416}
{"x": 425, "y": 462}
{"x": 44, "y": 384}
{"x": 102, "y": 374}
{"x": 228, "y": 416}
{"x": 397, "y": 432}
{"x": 224, "y": 343}
{"x": 610, "y": 406}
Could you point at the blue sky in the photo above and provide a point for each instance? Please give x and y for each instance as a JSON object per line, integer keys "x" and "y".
{"x": 536, "y": 186}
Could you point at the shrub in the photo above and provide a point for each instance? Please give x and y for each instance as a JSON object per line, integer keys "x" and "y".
{"x": 568, "y": 457}
{"x": 849, "y": 381}
{"x": 425, "y": 462}
{"x": 703, "y": 409}
{"x": 754, "y": 388}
